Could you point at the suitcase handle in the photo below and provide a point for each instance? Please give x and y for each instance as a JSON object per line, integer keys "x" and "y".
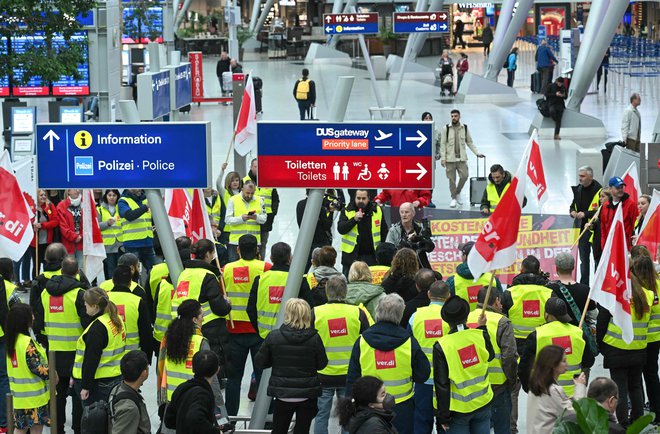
{"x": 484, "y": 166}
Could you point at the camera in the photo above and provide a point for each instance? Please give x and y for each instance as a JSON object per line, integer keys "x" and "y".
{"x": 330, "y": 200}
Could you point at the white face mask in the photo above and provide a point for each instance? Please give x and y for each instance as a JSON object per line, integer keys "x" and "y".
{"x": 76, "y": 201}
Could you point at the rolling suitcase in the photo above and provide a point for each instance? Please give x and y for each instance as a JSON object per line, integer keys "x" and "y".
{"x": 478, "y": 184}
{"x": 536, "y": 82}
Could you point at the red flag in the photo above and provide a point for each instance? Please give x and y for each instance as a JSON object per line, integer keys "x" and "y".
{"x": 535, "y": 171}
{"x": 93, "y": 248}
{"x": 612, "y": 288}
{"x": 631, "y": 179}
{"x": 177, "y": 204}
{"x": 246, "y": 124}
{"x": 649, "y": 234}
{"x": 496, "y": 246}
{"x": 200, "y": 226}
{"x": 15, "y": 214}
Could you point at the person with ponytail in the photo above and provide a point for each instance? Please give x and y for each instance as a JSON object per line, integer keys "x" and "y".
{"x": 626, "y": 361}
{"x": 181, "y": 342}
{"x": 96, "y": 369}
{"x": 28, "y": 372}
{"x": 369, "y": 410}
{"x": 200, "y": 281}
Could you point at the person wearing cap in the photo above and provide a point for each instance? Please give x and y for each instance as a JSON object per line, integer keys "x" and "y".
{"x": 503, "y": 369}
{"x": 238, "y": 277}
{"x": 460, "y": 371}
{"x": 557, "y": 331}
{"x": 630, "y": 211}
{"x": 389, "y": 352}
{"x": 384, "y": 255}
{"x": 462, "y": 282}
{"x": 584, "y": 206}
{"x": 426, "y": 325}
{"x": 362, "y": 228}
{"x": 575, "y": 294}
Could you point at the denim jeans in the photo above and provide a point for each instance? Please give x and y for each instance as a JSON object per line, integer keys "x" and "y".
{"x": 23, "y": 268}
{"x": 404, "y": 417}
{"x": 501, "y": 412}
{"x": 146, "y": 255}
{"x": 477, "y": 422}
{"x": 324, "y": 404}
{"x": 99, "y": 392}
{"x": 110, "y": 264}
{"x": 239, "y": 346}
{"x": 4, "y": 383}
{"x": 423, "y": 408}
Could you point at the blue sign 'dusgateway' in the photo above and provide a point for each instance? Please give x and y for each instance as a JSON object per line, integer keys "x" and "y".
{"x": 181, "y": 77}
{"x": 147, "y": 155}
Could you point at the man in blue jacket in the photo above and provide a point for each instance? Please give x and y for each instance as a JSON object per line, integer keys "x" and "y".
{"x": 545, "y": 63}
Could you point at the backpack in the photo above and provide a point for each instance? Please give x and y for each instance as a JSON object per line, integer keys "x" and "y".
{"x": 447, "y": 136}
{"x": 506, "y": 62}
{"x": 319, "y": 297}
{"x": 97, "y": 418}
{"x": 302, "y": 91}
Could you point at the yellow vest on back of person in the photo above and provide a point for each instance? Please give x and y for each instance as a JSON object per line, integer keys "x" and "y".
{"x": 393, "y": 367}
{"x": 110, "y": 356}
{"x": 61, "y": 321}
{"x": 338, "y": 325}
{"x": 614, "y": 334}
{"x": 654, "y": 320}
{"x": 163, "y": 318}
{"x": 570, "y": 339}
{"x": 495, "y": 371}
{"x": 427, "y": 328}
{"x": 158, "y": 273}
{"x": 239, "y": 277}
{"x": 378, "y": 272}
{"x": 190, "y": 288}
{"x": 9, "y": 291}
{"x": 468, "y": 289}
{"x": 178, "y": 373}
{"x": 128, "y": 309}
{"x": 269, "y": 299}
{"x": 528, "y": 309}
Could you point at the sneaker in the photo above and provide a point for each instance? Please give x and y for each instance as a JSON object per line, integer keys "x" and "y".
{"x": 431, "y": 205}
{"x": 557, "y": 137}
{"x": 452, "y": 204}
{"x": 89, "y": 113}
{"x": 458, "y": 200}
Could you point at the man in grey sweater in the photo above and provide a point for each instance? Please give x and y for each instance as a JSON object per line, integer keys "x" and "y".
{"x": 127, "y": 408}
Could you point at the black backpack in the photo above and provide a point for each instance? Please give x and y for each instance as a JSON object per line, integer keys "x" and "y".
{"x": 506, "y": 62}
{"x": 97, "y": 418}
{"x": 318, "y": 293}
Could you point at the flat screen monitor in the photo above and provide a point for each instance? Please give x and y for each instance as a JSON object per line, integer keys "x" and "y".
{"x": 23, "y": 120}
{"x": 4, "y": 79}
{"x": 34, "y": 86}
{"x": 142, "y": 31}
{"x": 70, "y": 86}
{"x": 71, "y": 114}
{"x": 22, "y": 145}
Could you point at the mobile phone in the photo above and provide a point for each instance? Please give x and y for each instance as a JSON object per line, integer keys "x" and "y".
{"x": 252, "y": 212}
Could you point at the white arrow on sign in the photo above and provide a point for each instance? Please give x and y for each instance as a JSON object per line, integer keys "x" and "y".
{"x": 328, "y": 19}
{"x": 421, "y": 138}
{"x": 443, "y": 16}
{"x": 50, "y": 135}
{"x": 443, "y": 26}
{"x": 328, "y": 29}
{"x": 422, "y": 171}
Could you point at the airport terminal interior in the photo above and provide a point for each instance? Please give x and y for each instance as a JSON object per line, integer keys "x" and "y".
{"x": 500, "y": 130}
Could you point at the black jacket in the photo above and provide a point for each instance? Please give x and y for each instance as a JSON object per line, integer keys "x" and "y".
{"x": 369, "y": 420}
{"x": 441, "y": 376}
{"x": 420, "y": 300}
{"x": 295, "y": 356}
{"x": 96, "y": 340}
{"x": 210, "y": 291}
{"x": 580, "y": 294}
{"x": 311, "y": 96}
{"x": 582, "y": 197}
{"x": 4, "y": 309}
{"x": 551, "y": 95}
{"x": 192, "y": 409}
{"x": 365, "y": 241}
{"x": 251, "y": 309}
{"x": 402, "y": 285}
{"x": 615, "y": 357}
{"x": 144, "y": 322}
{"x": 506, "y": 180}
{"x": 58, "y": 286}
{"x": 39, "y": 284}
{"x": 323, "y": 230}
{"x": 528, "y": 355}
{"x": 222, "y": 66}
{"x": 387, "y": 336}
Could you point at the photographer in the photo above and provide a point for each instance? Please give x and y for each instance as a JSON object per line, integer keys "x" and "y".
{"x": 323, "y": 232}
{"x": 362, "y": 227}
{"x": 409, "y": 233}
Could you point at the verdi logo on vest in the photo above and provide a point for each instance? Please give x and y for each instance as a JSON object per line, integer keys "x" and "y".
{"x": 432, "y": 328}
{"x": 565, "y": 343}
{"x": 472, "y": 293}
{"x": 121, "y": 311}
{"x": 385, "y": 359}
{"x": 182, "y": 288}
{"x": 468, "y": 356}
{"x": 337, "y": 327}
{"x": 191, "y": 353}
{"x": 531, "y": 308}
{"x": 275, "y": 294}
{"x": 14, "y": 360}
{"x": 56, "y": 304}
{"x": 241, "y": 275}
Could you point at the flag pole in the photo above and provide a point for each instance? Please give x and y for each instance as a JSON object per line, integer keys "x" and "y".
{"x": 586, "y": 306}
{"x": 231, "y": 146}
{"x": 490, "y": 287}
{"x": 587, "y": 226}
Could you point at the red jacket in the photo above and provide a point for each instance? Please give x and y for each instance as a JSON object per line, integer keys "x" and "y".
{"x": 67, "y": 227}
{"x": 48, "y": 226}
{"x": 630, "y": 213}
{"x": 397, "y": 197}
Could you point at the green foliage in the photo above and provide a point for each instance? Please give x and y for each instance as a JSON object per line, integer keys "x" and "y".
{"x": 387, "y": 36}
{"x": 242, "y": 35}
{"x": 140, "y": 19}
{"x": 593, "y": 418}
{"x": 641, "y": 423}
{"x": 53, "y": 18}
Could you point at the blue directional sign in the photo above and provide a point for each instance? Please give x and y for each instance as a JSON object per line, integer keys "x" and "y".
{"x": 346, "y": 155}
{"x": 153, "y": 95}
{"x": 350, "y": 24}
{"x": 147, "y": 155}
{"x": 182, "y": 95}
{"x": 420, "y": 22}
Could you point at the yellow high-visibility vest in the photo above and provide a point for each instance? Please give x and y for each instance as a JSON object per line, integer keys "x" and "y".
{"x": 427, "y": 328}
{"x": 269, "y": 298}
{"x": 29, "y": 390}
{"x": 178, "y": 373}
{"x": 128, "y": 308}
{"x": 108, "y": 286}
{"x": 158, "y": 273}
{"x": 112, "y": 234}
{"x": 190, "y": 288}
{"x": 349, "y": 240}
{"x": 249, "y": 226}
{"x": 570, "y": 339}
{"x": 393, "y": 367}
{"x": 9, "y": 291}
{"x": 654, "y": 320}
{"x": 61, "y": 321}
{"x": 494, "y": 197}
{"x": 528, "y": 309}
{"x": 214, "y": 210}
{"x": 163, "y": 318}
{"x": 467, "y": 359}
{"x": 495, "y": 371}
{"x": 239, "y": 277}
{"x": 338, "y": 325}
{"x": 140, "y": 228}
{"x": 110, "y": 356}
{"x": 378, "y": 272}
{"x": 468, "y": 289}
{"x": 614, "y": 334}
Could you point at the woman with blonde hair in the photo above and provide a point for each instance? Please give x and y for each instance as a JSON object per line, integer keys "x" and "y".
{"x": 233, "y": 184}
{"x": 295, "y": 352}
{"x": 361, "y": 290}
{"x": 401, "y": 276}
{"x": 99, "y": 349}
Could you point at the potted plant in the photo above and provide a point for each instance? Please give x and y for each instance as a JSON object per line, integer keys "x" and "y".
{"x": 242, "y": 35}
{"x": 593, "y": 418}
{"x": 388, "y": 39}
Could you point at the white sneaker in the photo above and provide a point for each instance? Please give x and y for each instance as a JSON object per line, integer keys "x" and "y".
{"x": 459, "y": 201}
{"x": 452, "y": 204}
